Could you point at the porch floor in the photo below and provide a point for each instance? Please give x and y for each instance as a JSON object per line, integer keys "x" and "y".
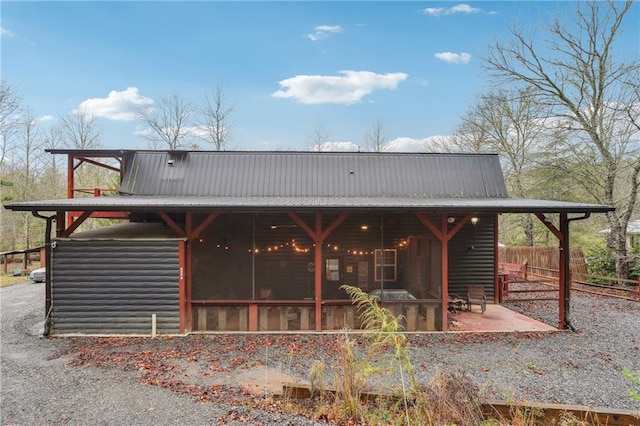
{"x": 496, "y": 318}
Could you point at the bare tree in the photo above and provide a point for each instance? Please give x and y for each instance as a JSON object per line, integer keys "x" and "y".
{"x": 79, "y": 130}
{"x": 510, "y": 124}
{"x": 375, "y": 138}
{"x": 319, "y": 137}
{"x": 216, "y": 118}
{"x": 53, "y": 139}
{"x": 10, "y": 105}
{"x": 577, "y": 73}
{"x": 169, "y": 123}
{"x": 29, "y": 141}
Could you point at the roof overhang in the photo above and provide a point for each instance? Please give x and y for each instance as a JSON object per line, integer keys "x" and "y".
{"x": 262, "y": 204}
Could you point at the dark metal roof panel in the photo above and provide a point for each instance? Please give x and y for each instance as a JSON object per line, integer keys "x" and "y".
{"x": 303, "y": 174}
{"x": 195, "y": 203}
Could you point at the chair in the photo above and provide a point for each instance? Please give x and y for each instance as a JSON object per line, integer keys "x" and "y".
{"x": 476, "y": 296}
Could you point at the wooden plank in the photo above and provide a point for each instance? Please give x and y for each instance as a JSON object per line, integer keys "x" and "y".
{"x": 304, "y": 317}
{"x": 243, "y": 316}
{"x": 502, "y": 410}
{"x": 202, "y": 318}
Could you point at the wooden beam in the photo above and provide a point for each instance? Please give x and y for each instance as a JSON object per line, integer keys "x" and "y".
{"x": 497, "y": 291}
{"x": 76, "y": 223}
{"x": 564, "y": 285}
{"x": 444, "y": 243}
{"x": 564, "y": 295}
{"x": 60, "y": 223}
{"x": 426, "y": 222}
{"x": 80, "y": 161}
{"x": 333, "y": 226}
{"x": 172, "y": 224}
{"x": 99, "y": 164}
{"x": 182, "y": 295}
{"x": 70, "y": 185}
{"x": 304, "y": 226}
{"x": 209, "y": 219}
{"x": 318, "y": 273}
{"x": 550, "y": 226}
{"x": 459, "y": 225}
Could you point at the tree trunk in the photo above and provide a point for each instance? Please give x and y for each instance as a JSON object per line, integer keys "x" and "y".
{"x": 527, "y": 226}
{"x": 617, "y": 241}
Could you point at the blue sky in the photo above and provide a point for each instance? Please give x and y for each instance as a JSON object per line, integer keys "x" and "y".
{"x": 285, "y": 66}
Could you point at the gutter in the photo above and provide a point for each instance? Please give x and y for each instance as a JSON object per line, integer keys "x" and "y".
{"x": 567, "y": 271}
{"x": 48, "y": 294}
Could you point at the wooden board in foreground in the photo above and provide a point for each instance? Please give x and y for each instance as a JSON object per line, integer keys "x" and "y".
{"x": 502, "y": 410}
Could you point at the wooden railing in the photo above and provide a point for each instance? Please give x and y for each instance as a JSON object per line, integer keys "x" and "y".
{"x": 299, "y": 315}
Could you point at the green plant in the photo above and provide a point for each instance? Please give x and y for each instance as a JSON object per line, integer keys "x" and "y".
{"x": 601, "y": 262}
{"x": 634, "y": 378}
{"x": 316, "y": 378}
{"x": 450, "y": 398}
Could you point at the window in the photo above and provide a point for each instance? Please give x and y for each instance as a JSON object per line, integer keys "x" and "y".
{"x": 333, "y": 270}
{"x": 385, "y": 264}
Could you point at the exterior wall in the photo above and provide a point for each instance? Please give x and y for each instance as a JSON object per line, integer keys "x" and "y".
{"x": 472, "y": 255}
{"x": 114, "y": 286}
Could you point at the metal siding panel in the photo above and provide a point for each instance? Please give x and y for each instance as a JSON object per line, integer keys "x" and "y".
{"x": 114, "y": 286}
{"x": 475, "y": 265}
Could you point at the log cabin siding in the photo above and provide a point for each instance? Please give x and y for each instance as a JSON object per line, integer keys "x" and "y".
{"x": 114, "y": 286}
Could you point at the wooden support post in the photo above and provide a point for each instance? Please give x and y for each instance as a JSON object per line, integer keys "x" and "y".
{"x": 253, "y": 317}
{"x": 565, "y": 289}
{"x": 318, "y": 272}
{"x": 445, "y": 270}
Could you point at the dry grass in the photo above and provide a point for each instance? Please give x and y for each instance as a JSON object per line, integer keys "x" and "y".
{"x": 7, "y": 280}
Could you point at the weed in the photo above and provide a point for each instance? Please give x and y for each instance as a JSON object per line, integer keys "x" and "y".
{"x": 634, "y": 378}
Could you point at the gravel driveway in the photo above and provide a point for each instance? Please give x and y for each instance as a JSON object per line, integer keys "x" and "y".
{"x": 184, "y": 380}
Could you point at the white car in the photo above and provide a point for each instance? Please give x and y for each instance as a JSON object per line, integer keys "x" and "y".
{"x": 38, "y": 275}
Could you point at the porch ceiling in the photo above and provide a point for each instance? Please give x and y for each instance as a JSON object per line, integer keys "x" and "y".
{"x": 262, "y": 204}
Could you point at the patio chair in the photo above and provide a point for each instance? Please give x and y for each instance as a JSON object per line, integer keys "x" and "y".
{"x": 476, "y": 296}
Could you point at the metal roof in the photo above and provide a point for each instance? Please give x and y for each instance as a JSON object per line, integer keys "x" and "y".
{"x": 261, "y": 204}
{"x": 179, "y": 181}
{"x": 314, "y": 174}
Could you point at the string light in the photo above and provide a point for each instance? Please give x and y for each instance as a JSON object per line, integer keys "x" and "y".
{"x": 302, "y": 250}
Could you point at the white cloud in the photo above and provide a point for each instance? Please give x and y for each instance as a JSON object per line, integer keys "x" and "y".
{"x": 401, "y": 144}
{"x": 337, "y": 146}
{"x": 46, "y": 118}
{"x": 119, "y": 106}
{"x": 348, "y": 88}
{"x": 461, "y": 8}
{"x": 5, "y": 32}
{"x": 428, "y": 144}
{"x": 323, "y": 31}
{"x": 454, "y": 58}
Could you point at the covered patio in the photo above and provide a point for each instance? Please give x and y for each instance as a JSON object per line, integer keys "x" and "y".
{"x": 260, "y": 241}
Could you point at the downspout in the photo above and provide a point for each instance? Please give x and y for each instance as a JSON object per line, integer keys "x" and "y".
{"x": 567, "y": 271}
{"x": 48, "y": 307}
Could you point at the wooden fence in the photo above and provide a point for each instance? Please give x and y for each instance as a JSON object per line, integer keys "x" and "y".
{"x": 545, "y": 260}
